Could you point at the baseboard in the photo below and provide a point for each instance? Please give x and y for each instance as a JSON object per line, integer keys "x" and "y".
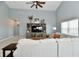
{"x": 4, "y": 39}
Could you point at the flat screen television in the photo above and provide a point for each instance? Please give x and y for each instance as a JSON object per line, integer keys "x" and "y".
{"x": 37, "y": 29}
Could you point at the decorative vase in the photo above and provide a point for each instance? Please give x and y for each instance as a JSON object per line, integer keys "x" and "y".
{"x": 30, "y": 18}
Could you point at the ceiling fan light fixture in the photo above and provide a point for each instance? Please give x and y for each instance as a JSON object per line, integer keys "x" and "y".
{"x": 35, "y": 3}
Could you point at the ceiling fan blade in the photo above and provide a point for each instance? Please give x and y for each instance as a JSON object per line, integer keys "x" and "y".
{"x": 32, "y": 5}
{"x": 36, "y": 4}
{"x": 41, "y": 2}
{"x": 36, "y": 7}
{"x": 39, "y": 5}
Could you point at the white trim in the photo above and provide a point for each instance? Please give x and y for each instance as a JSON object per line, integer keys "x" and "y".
{"x": 5, "y": 39}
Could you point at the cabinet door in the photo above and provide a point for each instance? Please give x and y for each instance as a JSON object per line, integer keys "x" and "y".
{"x": 48, "y": 49}
{"x": 65, "y": 49}
{"x": 76, "y": 48}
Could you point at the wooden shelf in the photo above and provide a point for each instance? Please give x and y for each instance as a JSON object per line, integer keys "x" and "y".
{"x": 35, "y": 35}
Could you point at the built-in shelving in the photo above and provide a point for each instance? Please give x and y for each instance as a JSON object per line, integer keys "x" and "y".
{"x": 38, "y": 33}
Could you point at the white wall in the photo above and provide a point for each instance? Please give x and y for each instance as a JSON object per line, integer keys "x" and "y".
{"x": 49, "y": 16}
{"x": 67, "y": 11}
{"x": 6, "y": 13}
{"x": 4, "y": 28}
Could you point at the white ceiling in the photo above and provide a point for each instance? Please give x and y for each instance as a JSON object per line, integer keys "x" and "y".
{"x": 49, "y": 6}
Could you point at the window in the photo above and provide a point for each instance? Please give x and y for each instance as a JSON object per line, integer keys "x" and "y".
{"x": 64, "y": 27}
{"x": 70, "y": 27}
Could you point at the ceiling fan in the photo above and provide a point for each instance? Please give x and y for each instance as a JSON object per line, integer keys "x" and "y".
{"x": 36, "y": 4}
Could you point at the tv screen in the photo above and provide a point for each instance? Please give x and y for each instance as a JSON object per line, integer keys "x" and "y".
{"x": 37, "y": 29}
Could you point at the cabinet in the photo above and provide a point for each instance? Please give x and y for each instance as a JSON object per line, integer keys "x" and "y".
{"x": 65, "y": 48}
{"x": 75, "y": 47}
{"x": 36, "y": 30}
{"x": 69, "y": 47}
{"x": 49, "y": 49}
